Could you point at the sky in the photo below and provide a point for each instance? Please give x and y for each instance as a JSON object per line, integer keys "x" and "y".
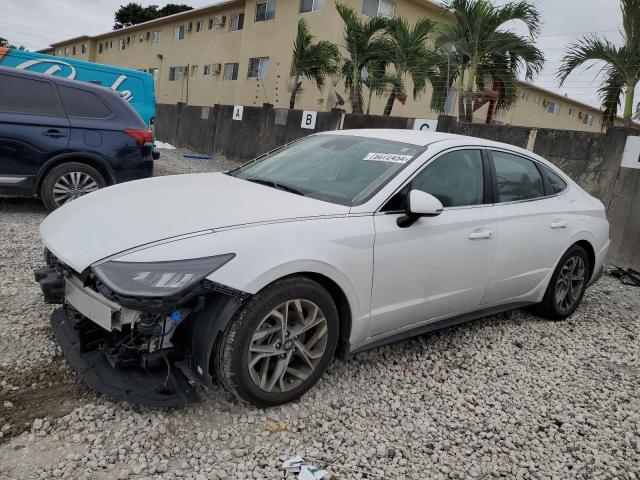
{"x": 37, "y": 23}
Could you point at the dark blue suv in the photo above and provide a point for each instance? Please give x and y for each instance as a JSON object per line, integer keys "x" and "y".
{"x": 60, "y": 139}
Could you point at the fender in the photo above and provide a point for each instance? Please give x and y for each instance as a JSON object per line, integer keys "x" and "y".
{"x": 69, "y": 156}
{"x": 209, "y": 323}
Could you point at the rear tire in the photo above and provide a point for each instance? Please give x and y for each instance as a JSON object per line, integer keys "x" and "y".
{"x": 567, "y": 285}
{"x": 255, "y": 347}
{"x": 67, "y": 182}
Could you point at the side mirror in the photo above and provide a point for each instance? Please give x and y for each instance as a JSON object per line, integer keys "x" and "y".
{"x": 420, "y": 204}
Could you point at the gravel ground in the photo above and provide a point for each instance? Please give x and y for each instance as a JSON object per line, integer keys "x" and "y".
{"x": 509, "y": 396}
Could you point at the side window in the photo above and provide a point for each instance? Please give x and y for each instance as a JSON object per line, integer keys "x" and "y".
{"x": 518, "y": 178}
{"x": 554, "y": 180}
{"x": 80, "y": 103}
{"x": 25, "y": 95}
{"x": 455, "y": 178}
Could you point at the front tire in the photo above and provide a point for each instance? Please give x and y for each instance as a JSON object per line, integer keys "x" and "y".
{"x": 279, "y": 344}
{"x": 67, "y": 182}
{"x": 567, "y": 285}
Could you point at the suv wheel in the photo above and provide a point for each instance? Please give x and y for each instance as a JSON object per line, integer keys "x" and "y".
{"x": 67, "y": 182}
{"x": 279, "y": 344}
{"x": 567, "y": 285}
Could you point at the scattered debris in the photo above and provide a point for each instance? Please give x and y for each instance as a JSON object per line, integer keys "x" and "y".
{"x": 194, "y": 156}
{"x": 629, "y": 276}
{"x": 164, "y": 146}
{"x": 305, "y": 472}
{"x": 273, "y": 427}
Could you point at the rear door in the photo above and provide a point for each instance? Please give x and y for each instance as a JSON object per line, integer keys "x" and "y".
{"x": 532, "y": 227}
{"x": 33, "y": 129}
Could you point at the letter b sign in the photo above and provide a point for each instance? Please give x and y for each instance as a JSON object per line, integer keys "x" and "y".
{"x": 309, "y": 119}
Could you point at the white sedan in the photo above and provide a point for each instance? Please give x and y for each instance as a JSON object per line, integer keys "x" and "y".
{"x": 331, "y": 245}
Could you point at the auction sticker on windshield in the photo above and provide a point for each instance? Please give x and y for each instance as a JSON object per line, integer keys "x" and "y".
{"x": 388, "y": 157}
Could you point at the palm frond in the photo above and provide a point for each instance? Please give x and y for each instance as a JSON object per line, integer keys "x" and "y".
{"x": 610, "y": 94}
{"x": 587, "y": 49}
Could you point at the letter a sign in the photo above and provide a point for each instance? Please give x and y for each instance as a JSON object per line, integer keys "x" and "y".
{"x": 309, "y": 119}
{"x": 237, "y": 112}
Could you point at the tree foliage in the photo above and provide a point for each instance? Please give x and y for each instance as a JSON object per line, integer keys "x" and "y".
{"x": 314, "y": 61}
{"x": 621, "y": 64}
{"x": 487, "y": 54}
{"x": 366, "y": 44}
{"x": 134, "y": 13}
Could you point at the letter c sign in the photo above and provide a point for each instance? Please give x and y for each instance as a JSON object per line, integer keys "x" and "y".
{"x": 309, "y": 119}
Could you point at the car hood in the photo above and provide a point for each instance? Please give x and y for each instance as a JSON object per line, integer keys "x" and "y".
{"x": 129, "y": 215}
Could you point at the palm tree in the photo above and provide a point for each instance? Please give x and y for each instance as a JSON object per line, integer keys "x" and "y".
{"x": 486, "y": 53}
{"x": 314, "y": 61}
{"x": 410, "y": 55}
{"x": 377, "y": 81}
{"x": 365, "y": 43}
{"x": 622, "y": 69}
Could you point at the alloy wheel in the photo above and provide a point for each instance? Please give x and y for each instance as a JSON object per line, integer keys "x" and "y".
{"x": 287, "y": 345}
{"x": 569, "y": 283}
{"x": 72, "y": 185}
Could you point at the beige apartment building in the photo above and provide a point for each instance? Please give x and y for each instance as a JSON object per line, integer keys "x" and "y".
{"x": 239, "y": 52}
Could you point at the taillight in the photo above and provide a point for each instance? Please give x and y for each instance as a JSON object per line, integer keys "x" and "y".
{"x": 144, "y": 137}
{"x": 152, "y": 124}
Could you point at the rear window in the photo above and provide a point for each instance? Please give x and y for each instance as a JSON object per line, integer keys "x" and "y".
{"x": 554, "y": 180}
{"x": 26, "y": 95}
{"x": 81, "y": 103}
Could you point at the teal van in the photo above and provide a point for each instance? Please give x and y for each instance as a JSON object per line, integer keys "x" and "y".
{"x": 135, "y": 87}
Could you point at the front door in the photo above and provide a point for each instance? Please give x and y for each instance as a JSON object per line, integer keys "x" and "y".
{"x": 439, "y": 266}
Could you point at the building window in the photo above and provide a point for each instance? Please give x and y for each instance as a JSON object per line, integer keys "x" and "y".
{"x": 199, "y": 26}
{"x": 66, "y": 51}
{"x": 100, "y": 47}
{"x": 536, "y": 99}
{"x": 175, "y": 73}
{"x": 178, "y": 33}
{"x": 110, "y": 43}
{"x": 207, "y": 70}
{"x": 73, "y": 50}
{"x": 155, "y": 36}
{"x": 230, "y": 71}
{"x": 378, "y": 8}
{"x": 194, "y": 70}
{"x": 140, "y": 38}
{"x": 236, "y": 21}
{"x": 587, "y": 119}
{"x": 311, "y": 5}
{"x": 524, "y": 95}
{"x": 554, "y": 108}
{"x": 258, "y": 67}
{"x": 265, "y": 10}
{"x": 571, "y": 112}
{"x": 83, "y": 48}
{"x": 121, "y": 44}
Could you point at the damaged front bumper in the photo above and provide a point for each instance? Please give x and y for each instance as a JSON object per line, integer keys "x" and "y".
{"x": 127, "y": 352}
{"x": 154, "y": 387}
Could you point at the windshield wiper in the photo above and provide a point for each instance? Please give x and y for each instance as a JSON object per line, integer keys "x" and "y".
{"x": 279, "y": 186}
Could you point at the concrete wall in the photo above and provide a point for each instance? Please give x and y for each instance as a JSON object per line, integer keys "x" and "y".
{"x": 591, "y": 159}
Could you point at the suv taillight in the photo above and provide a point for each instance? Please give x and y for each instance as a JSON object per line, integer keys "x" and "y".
{"x": 144, "y": 137}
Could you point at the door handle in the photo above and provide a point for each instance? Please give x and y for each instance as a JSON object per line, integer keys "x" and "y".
{"x": 53, "y": 133}
{"x": 481, "y": 235}
{"x": 559, "y": 224}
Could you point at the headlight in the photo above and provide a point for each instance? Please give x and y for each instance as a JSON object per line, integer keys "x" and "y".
{"x": 159, "y": 279}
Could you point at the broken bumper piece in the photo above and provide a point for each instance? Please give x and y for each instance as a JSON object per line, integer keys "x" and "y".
{"x": 159, "y": 387}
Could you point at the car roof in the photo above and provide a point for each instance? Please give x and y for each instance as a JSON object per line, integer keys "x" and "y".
{"x": 58, "y": 80}
{"x": 422, "y": 137}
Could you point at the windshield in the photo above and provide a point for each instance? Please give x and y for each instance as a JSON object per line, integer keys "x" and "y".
{"x": 342, "y": 169}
